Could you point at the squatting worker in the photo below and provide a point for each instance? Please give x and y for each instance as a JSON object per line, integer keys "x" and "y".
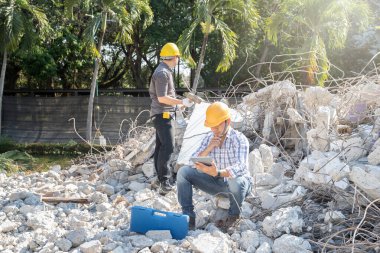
{"x": 228, "y": 174}
{"x": 163, "y": 106}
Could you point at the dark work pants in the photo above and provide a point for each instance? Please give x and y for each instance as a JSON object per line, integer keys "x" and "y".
{"x": 164, "y": 146}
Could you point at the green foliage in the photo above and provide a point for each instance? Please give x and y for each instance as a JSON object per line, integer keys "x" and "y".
{"x": 61, "y": 57}
{"x": 39, "y": 65}
{"x": 316, "y": 26}
{"x": 210, "y": 16}
{"x": 68, "y": 149}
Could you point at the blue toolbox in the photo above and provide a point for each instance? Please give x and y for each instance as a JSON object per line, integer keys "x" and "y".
{"x": 144, "y": 219}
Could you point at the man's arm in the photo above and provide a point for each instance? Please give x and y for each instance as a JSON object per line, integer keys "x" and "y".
{"x": 169, "y": 100}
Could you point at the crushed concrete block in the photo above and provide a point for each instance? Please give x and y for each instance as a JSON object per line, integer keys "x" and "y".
{"x": 265, "y": 179}
{"x": 270, "y": 200}
{"x": 144, "y": 194}
{"x": 91, "y": 247}
{"x": 249, "y": 238}
{"x": 295, "y": 116}
{"x": 291, "y": 244}
{"x": 107, "y": 189}
{"x": 284, "y": 220}
{"x": 367, "y": 179}
{"x": 374, "y": 156}
{"x": 334, "y": 217}
{"x": 350, "y": 149}
{"x": 318, "y": 140}
{"x": 247, "y": 210}
{"x": 266, "y": 156}
{"x": 222, "y": 202}
{"x": 278, "y": 169}
{"x": 41, "y": 220}
{"x": 160, "y": 203}
{"x": 7, "y": 226}
{"x": 159, "y": 247}
{"x": 77, "y": 237}
{"x": 206, "y": 243}
{"x": 322, "y": 168}
{"x": 148, "y": 169}
{"x": 264, "y": 248}
{"x": 276, "y": 152}
{"x": 268, "y": 123}
{"x": 255, "y": 162}
{"x": 64, "y": 244}
{"x": 140, "y": 241}
{"x": 323, "y": 119}
{"x": 159, "y": 235}
{"x": 136, "y": 186}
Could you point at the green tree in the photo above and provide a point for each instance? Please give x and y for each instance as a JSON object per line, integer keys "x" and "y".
{"x": 20, "y": 21}
{"x": 316, "y": 26}
{"x": 123, "y": 13}
{"x": 210, "y": 15}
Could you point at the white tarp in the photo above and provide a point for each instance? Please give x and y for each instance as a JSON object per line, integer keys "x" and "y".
{"x": 195, "y": 132}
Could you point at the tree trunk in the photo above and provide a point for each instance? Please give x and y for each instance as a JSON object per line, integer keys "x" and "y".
{"x": 2, "y": 81}
{"x": 200, "y": 62}
{"x": 93, "y": 82}
{"x": 262, "y": 58}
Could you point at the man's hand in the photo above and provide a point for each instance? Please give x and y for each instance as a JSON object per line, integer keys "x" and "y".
{"x": 187, "y": 102}
{"x": 210, "y": 170}
{"x": 215, "y": 142}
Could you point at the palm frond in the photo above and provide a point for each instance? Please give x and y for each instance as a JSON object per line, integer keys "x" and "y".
{"x": 90, "y": 33}
{"x": 69, "y": 7}
{"x": 184, "y": 42}
{"x": 229, "y": 39}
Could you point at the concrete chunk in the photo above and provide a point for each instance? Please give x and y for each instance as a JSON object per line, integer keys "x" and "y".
{"x": 291, "y": 244}
{"x": 284, "y": 220}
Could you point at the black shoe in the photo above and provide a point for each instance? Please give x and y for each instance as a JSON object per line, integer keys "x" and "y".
{"x": 192, "y": 223}
{"x": 165, "y": 187}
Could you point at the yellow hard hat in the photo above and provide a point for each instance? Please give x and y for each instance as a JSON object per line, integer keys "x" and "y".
{"x": 216, "y": 113}
{"x": 169, "y": 50}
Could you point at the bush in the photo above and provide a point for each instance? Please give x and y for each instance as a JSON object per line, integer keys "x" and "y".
{"x": 71, "y": 148}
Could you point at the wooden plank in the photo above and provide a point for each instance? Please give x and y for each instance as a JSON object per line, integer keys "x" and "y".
{"x": 57, "y": 200}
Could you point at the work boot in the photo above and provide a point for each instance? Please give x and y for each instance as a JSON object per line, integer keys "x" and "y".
{"x": 231, "y": 221}
{"x": 192, "y": 223}
{"x": 165, "y": 187}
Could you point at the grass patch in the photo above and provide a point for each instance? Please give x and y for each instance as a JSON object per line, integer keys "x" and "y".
{"x": 15, "y": 161}
{"x": 39, "y": 157}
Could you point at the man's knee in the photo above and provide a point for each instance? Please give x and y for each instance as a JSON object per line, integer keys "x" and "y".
{"x": 236, "y": 185}
{"x": 183, "y": 173}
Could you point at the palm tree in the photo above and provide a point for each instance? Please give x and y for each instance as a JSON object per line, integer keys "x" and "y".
{"x": 124, "y": 13}
{"x": 210, "y": 16}
{"x": 317, "y": 25}
{"x": 19, "y": 21}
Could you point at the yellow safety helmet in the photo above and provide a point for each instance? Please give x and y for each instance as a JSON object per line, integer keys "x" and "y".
{"x": 169, "y": 50}
{"x": 216, "y": 113}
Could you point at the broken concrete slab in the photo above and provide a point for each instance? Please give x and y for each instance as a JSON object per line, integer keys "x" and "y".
{"x": 291, "y": 244}
{"x": 285, "y": 220}
{"x": 367, "y": 179}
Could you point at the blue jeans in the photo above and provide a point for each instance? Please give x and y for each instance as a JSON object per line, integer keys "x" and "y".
{"x": 187, "y": 177}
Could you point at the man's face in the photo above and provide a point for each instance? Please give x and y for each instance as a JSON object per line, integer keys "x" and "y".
{"x": 173, "y": 62}
{"x": 218, "y": 130}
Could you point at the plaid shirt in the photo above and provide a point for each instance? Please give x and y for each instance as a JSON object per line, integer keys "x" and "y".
{"x": 232, "y": 156}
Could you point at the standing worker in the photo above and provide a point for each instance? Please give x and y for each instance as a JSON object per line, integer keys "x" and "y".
{"x": 227, "y": 175}
{"x": 163, "y": 107}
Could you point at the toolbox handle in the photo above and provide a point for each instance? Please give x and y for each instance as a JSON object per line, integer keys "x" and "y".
{"x": 159, "y": 213}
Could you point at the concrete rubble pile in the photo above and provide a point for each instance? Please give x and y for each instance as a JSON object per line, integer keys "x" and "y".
{"x": 301, "y": 140}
